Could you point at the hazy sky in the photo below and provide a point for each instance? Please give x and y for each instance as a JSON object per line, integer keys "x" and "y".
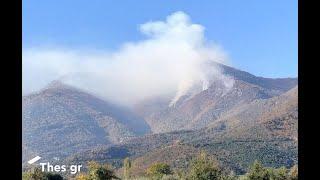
{"x": 172, "y": 60}
{"x": 258, "y": 36}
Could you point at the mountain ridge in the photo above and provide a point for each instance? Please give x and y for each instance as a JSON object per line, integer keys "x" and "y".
{"x": 61, "y": 120}
{"x": 256, "y": 118}
{"x": 199, "y": 110}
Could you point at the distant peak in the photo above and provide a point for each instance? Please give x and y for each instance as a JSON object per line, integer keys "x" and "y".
{"x": 58, "y": 84}
{"x": 55, "y": 84}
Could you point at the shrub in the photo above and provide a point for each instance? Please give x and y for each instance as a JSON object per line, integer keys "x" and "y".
{"x": 257, "y": 172}
{"x": 158, "y": 170}
{"x": 204, "y": 168}
{"x": 37, "y": 174}
{"x": 278, "y": 174}
{"x": 170, "y": 177}
{"x": 82, "y": 176}
{"x": 98, "y": 172}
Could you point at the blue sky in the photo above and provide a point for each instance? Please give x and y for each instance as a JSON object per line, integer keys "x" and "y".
{"x": 259, "y": 36}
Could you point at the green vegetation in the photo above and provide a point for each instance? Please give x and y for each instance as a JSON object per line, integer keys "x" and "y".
{"x": 258, "y": 172}
{"x": 98, "y": 172}
{"x": 37, "y": 174}
{"x": 158, "y": 170}
{"x": 202, "y": 167}
{"x": 236, "y": 154}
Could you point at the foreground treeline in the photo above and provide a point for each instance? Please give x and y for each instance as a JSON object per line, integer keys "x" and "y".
{"x": 201, "y": 168}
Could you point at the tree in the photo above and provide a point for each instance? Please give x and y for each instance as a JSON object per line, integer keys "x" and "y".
{"x": 97, "y": 172}
{"x": 257, "y": 172}
{"x": 26, "y": 175}
{"x": 293, "y": 173}
{"x": 204, "y": 168}
{"x": 126, "y": 168}
{"x": 38, "y": 174}
{"x": 281, "y": 173}
{"x": 100, "y": 172}
{"x": 277, "y": 174}
{"x": 158, "y": 170}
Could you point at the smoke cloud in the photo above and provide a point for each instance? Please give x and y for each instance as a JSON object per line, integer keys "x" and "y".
{"x": 172, "y": 59}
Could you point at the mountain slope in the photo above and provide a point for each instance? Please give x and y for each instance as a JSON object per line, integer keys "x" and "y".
{"x": 265, "y": 129}
{"x": 275, "y": 85}
{"x": 255, "y": 119}
{"x": 61, "y": 120}
{"x": 199, "y": 110}
{"x": 277, "y": 116}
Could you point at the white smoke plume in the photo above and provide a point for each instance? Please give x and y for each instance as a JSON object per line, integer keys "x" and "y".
{"x": 172, "y": 59}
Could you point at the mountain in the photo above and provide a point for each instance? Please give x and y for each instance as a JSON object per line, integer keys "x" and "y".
{"x": 256, "y": 119}
{"x": 270, "y": 136}
{"x": 199, "y": 110}
{"x": 275, "y": 86}
{"x": 61, "y": 120}
{"x": 267, "y": 118}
